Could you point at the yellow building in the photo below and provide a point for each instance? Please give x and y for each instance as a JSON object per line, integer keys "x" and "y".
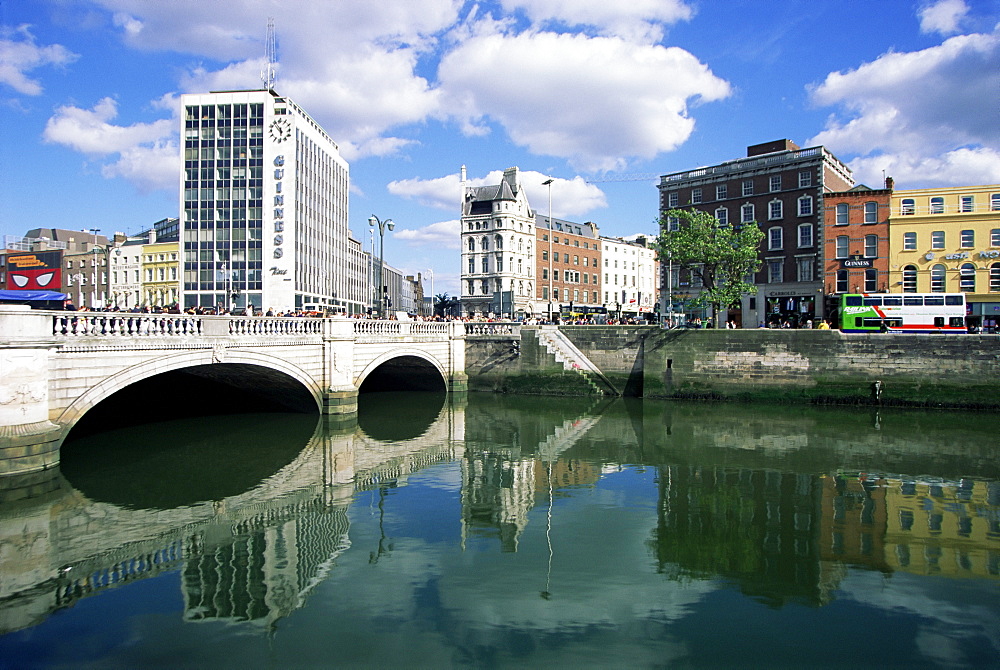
{"x": 948, "y": 240}
{"x": 160, "y": 271}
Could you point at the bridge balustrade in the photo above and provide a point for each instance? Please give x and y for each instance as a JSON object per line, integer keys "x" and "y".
{"x": 101, "y": 324}
{"x": 271, "y": 325}
{"x": 493, "y": 328}
{"x": 378, "y": 327}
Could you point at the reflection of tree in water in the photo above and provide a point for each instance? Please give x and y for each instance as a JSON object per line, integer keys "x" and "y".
{"x": 755, "y": 527}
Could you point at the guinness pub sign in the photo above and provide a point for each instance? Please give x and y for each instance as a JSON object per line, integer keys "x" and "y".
{"x": 856, "y": 261}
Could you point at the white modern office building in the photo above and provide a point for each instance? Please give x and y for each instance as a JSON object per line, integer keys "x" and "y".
{"x": 264, "y": 202}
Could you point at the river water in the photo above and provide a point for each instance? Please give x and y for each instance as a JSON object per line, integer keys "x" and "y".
{"x": 498, "y": 531}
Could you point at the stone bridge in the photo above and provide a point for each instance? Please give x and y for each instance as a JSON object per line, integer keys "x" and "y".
{"x": 58, "y": 546}
{"x": 56, "y": 366}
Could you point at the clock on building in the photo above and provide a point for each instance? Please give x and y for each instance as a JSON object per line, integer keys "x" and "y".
{"x": 280, "y": 130}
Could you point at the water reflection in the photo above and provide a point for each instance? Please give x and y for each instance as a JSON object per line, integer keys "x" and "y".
{"x": 519, "y": 529}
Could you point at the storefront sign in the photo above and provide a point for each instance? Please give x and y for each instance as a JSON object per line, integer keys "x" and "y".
{"x": 279, "y": 206}
{"x": 856, "y": 262}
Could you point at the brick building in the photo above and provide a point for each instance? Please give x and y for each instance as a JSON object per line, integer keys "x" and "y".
{"x": 780, "y": 187}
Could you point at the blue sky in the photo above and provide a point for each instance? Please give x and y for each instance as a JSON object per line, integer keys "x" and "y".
{"x": 580, "y": 90}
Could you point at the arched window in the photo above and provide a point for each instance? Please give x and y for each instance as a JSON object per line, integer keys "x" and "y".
{"x": 995, "y": 278}
{"x": 472, "y": 244}
{"x": 485, "y": 244}
{"x": 910, "y": 279}
{"x": 967, "y": 278}
{"x": 498, "y": 240}
{"x": 937, "y": 205}
{"x": 937, "y": 278}
{"x": 907, "y": 206}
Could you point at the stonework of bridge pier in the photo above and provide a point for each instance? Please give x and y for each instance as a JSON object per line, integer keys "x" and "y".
{"x": 56, "y": 366}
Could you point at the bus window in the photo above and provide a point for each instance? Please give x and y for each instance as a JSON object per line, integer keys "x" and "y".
{"x": 852, "y": 300}
{"x": 954, "y": 300}
{"x": 894, "y": 323}
{"x": 871, "y": 323}
{"x": 873, "y": 302}
{"x": 938, "y": 321}
{"x": 935, "y": 301}
{"x": 913, "y": 301}
{"x": 956, "y": 322}
{"x": 892, "y": 302}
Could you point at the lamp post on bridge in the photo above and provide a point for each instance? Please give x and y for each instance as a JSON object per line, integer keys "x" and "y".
{"x": 374, "y": 221}
{"x": 548, "y": 182}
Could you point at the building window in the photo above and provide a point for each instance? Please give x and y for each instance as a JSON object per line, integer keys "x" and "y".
{"x": 722, "y": 216}
{"x": 968, "y": 239}
{"x": 720, "y": 192}
{"x": 871, "y": 246}
{"x": 995, "y": 202}
{"x": 746, "y": 213}
{"x": 910, "y": 279}
{"x": 696, "y": 196}
{"x": 805, "y": 235}
{"x": 747, "y": 187}
{"x": 937, "y": 239}
{"x": 805, "y": 179}
{"x": 472, "y": 266}
{"x": 937, "y": 205}
{"x": 967, "y": 204}
{"x": 774, "y": 238}
{"x": 673, "y": 223}
{"x": 842, "y": 246}
{"x": 995, "y": 278}
{"x": 775, "y": 183}
{"x": 967, "y": 278}
{"x": 804, "y": 268}
{"x": 937, "y": 278}
{"x": 842, "y": 281}
{"x": 774, "y": 210}
{"x": 472, "y": 244}
{"x": 472, "y": 287}
{"x": 672, "y": 199}
{"x": 842, "y": 214}
{"x": 871, "y": 280}
{"x": 774, "y": 271}
{"x": 995, "y": 237}
{"x": 907, "y": 207}
{"x": 805, "y": 205}
{"x": 909, "y": 241}
{"x": 871, "y": 212}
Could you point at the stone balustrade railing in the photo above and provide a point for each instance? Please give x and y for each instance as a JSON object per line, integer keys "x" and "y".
{"x": 109, "y": 324}
{"x": 493, "y": 328}
{"x": 377, "y": 327}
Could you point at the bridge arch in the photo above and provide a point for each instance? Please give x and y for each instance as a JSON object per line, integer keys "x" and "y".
{"x": 188, "y": 359}
{"x": 402, "y": 353}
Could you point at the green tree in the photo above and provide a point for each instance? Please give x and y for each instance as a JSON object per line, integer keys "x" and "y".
{"x": 721, "y": 256}
{"x": 445, "y": 305}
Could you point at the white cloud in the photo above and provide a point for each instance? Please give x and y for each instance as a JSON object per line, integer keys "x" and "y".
{"x": 942, "y": 16}
{"x": 594, "y": 101}
{"x": 444, "y": 234}
{"x": 634, "y": 20}
{"x": 19, "y": 54}
{"x": 144, "y": 153}
{"x": 570, "y": 197}
{"x": 921, "y": 116}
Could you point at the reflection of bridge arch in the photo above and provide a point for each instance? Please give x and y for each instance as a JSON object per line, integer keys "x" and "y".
{"x": 189, "y": 359}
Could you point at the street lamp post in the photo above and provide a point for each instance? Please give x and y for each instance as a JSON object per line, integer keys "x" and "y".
{"x": 95, "y": 285}
{"x": 548, "y": 182}
{"x": 433, "y": 308}
{"x": 374, "y": 221}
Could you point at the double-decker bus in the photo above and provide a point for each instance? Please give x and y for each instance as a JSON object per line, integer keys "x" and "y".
{"x": 903, "y": 312}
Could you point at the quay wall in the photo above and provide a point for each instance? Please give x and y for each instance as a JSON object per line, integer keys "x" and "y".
{"x": 811, "y": 366}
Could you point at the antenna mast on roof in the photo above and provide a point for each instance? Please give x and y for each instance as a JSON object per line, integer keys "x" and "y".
{"x": 269, "y": 74}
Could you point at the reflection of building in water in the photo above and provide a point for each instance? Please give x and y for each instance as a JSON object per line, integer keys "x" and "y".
{"x": 756, "y": 527}
{"x": 928, "y": 527}
{"x": 497, "y": 494}
{"x": 263, "y": 568}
